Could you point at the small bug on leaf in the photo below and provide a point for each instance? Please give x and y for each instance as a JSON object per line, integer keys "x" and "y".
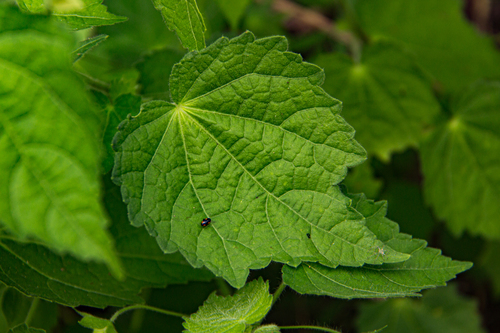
{"x": 206, "y": 222}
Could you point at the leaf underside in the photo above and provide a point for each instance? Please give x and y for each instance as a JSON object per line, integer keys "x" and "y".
{"x": 254, "y": 143}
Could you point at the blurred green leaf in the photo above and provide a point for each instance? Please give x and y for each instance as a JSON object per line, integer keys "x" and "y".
{"x": 448, "y": 46}
{"x": 490, "y": 262}
{"x": 80, "y": 14}
{"x": 441, "y": 310}
{"x": 155, "y": 69}
{"x": 234, "y": 313}
{"x": 49, "y": 142}
{"x": 253, "y": 143}
{"x": 16, "y": 307}
{"x": 426, "y": 268}
{"x": 233, "y": 10}
{"x": 387, "y": 98}
{"x": 408, "y": 208}
{"x": 461, "y": 163}
{"x": 360, "y": 179}
{"x": 87, "y": 45}
{"x": 184, "y": 17}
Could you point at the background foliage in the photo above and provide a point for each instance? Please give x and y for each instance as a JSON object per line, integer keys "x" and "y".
{"x": 420, "y": 84}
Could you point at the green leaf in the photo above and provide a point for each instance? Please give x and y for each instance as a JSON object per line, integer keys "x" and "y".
{"x": 360, "y": 179}
{"x": 155, "y": 69}
{"x": 184, "y": 17}
{"x": 142, "y": 259}
{"x": 49, "y": 142}
{"x": 386, "y": 96}
{"x": 490, "y": 262}
{"x": 16, "y": 307}
{"x": 460, "y": 162}
{"x": 233, "y": 10}
{"x": 426, "y": 268}
{"x": 68, "y": 281}
{"x": 96, "y": 323}
{"x": 87, "y": 45}
{"x": 441, "y": 310}
{"x": 84, "y": 14}
{"x": 23, "y": 328}
{"x": 234, "y": 313}
{"x": 115, "y": 111}
{"x": 448, "y": 46}
{"x": 253, "y": 143}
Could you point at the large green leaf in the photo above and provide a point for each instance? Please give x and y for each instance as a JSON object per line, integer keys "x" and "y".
{"x": 82, "y": 14}
{"x": 49, "y": 142}
{"x": 386, "y": 96}
{"x": 448, "y": 46}
{"x": 233, "y": 314}
{"x": 441, "y": 310}
{"x": 68, "y": 281}
{"x": 254, "y": 144}
{"x": 184, "y": 17}
{"x": 426, "y": 268}
{"x": 461, "y": 163}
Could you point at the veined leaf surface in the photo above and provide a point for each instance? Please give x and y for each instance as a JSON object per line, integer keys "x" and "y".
{"x": 252, "y": 142}
{"x": 49, "y": 145}
{"x": 426, "y": 268}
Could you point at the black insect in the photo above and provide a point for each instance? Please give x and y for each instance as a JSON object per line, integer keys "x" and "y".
{"x": 308, "y": 235}
{"x": 206, "y": 222}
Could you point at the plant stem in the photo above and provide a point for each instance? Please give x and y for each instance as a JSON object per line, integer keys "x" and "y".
{"x": 319, "y": 328}
{"x": 147, "y": 307}
{"x": 31, "y": 312}
{"x": 315, "y": 20}
{"x": 278, "y": 292}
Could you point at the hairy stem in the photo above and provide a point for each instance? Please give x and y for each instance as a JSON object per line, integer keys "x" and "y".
{"x": 278, "y": 292}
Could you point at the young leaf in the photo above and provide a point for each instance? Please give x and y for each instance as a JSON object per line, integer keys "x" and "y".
{"x": 446, "y": 45}
{"x": 233, "y": 10}
{"x": 90, "y": 13}
{"x": 96, "y": 323}
{"x": 441, "y": 310}
{"x": 253, "y": 143}
{"x": 184, "y": 17}
{"x": 386, "y": 95}
{"x": 460, "y": 163}
{"x": 87, "y": 45}
{"x": 48, "y": 142}
{"x": 234, "y": 313}
{"x": 426, "y": 268}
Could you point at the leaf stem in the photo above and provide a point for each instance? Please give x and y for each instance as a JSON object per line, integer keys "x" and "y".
{"x": 319, "y": 328}
{"x": 278, "y": 292}
{"x": 32, "y": 310}
{"x": 147, "y": 307}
